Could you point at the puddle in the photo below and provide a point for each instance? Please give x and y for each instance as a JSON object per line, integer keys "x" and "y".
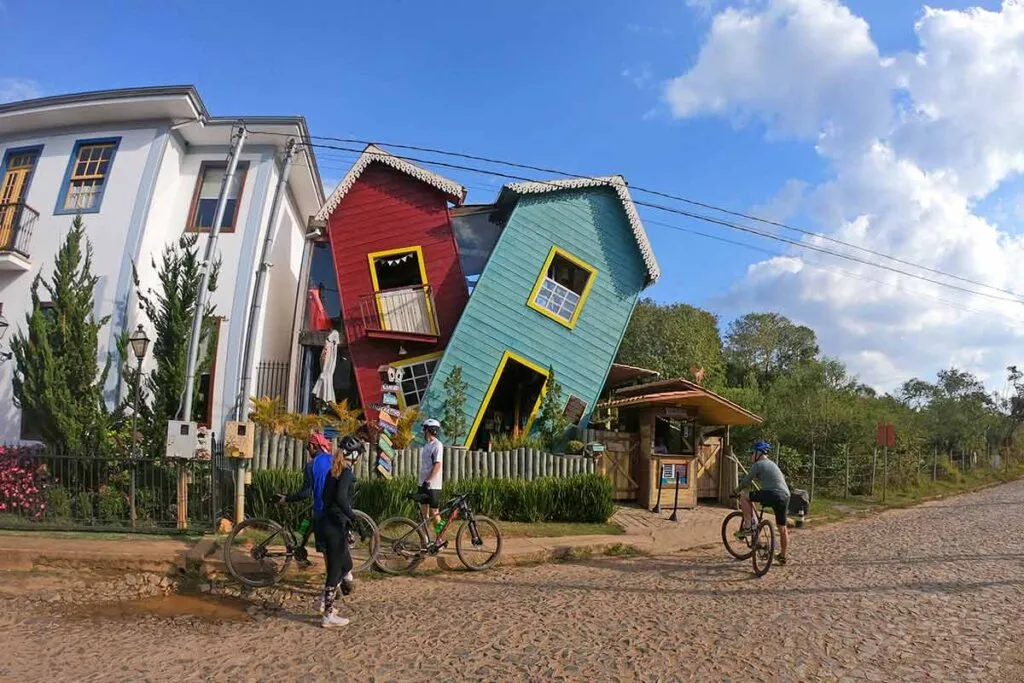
{"x": 206, "y": 608}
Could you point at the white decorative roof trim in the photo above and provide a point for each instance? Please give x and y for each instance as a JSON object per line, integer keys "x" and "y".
{"x": 374, "y": 153}
{"x": 621, "y": 189}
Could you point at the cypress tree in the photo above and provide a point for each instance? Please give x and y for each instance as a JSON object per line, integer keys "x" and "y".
{"x": 58, "y": 382}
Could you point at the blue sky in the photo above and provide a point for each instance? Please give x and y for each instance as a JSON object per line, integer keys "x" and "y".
{"x": 576, "y": 85}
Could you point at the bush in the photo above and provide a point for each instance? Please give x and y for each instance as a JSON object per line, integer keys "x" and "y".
{"x": 580, "y": 498}
{"x": 58, "y": 503}
{"x": 574, "y": 447}
{"x": 83, "y": 505}
{"x": 23, "y": 484}
{"x": 111, "y": 505}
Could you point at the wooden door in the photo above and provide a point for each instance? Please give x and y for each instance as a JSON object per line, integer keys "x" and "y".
{"x": 708, "y": 464}
{"x": 620, "y": 467}
{"x": 12, "y": 191}
{"x": 405, "y": 310}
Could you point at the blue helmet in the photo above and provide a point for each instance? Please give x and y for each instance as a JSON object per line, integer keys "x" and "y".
{"x": 762, "y": 447}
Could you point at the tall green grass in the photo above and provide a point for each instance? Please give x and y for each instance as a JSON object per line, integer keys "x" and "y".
{"x": 581, "y": 498}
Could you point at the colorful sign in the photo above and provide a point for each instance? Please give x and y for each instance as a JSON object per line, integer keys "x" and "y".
{"x": 381, "y": 408}
{"x": 669, "y": 473}
{"x": 385, "y": 454}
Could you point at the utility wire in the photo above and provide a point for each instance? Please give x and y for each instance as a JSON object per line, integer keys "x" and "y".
{"x": 666, "y": 195}
{"x": 700, "y": 217}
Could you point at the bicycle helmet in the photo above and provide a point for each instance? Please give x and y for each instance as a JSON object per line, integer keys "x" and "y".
{"x": 351, "y": 447}
{"x": 762, "y": 447}
{"x": 318, "y": 441}
{"x": 432, "y": 426}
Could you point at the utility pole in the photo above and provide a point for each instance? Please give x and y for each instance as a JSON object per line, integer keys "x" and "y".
{"x": 245, "y": 388}
{"x": 237, "y": 142}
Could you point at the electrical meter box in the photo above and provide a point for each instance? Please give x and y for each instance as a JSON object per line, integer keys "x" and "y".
{"x": 239, "y": 439}
{"x": 181, "y": 440}
{"x": 204, "y": 443}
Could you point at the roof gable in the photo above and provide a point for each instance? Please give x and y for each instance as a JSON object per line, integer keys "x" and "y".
{"x": 615, "y": 182}
{"x": 372, "y": 154}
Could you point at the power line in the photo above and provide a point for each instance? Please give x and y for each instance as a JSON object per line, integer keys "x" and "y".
{"x": 680, "y": 198}
{"x": 704, "y": 218}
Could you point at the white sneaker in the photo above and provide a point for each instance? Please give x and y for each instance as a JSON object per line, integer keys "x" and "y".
{"x": 320, "y": 606}
{"x": 332, "y": 620}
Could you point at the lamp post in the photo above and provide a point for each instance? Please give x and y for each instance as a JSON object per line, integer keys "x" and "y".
{"x": 140, "y": 344}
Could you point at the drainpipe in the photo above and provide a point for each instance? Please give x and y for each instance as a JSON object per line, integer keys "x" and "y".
{"x": 256, "y": 305}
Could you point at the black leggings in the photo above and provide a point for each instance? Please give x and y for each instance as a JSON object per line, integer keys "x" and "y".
{"x": 333, "y": 542}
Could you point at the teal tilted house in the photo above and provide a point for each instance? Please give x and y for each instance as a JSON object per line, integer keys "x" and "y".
{"x": 557, "y": 291}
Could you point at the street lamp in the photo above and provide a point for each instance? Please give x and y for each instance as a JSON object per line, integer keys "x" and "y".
{"x": 140, "y": 344}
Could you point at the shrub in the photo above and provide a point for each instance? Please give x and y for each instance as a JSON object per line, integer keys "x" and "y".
{"x": 111, "y": 505}
{"x": 508, "y": 442}
{"x": 83, "y": 505}
{"x": 23, "y": 484}
{"x": 579, "y": 498}
{"x": 58, "y": 503}
{"x": 574, "y": 447}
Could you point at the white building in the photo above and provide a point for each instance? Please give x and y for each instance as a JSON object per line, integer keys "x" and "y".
{"x": 143, "y": 165}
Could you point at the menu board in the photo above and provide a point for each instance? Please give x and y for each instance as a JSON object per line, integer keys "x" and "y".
{"x": 574, "y": 409}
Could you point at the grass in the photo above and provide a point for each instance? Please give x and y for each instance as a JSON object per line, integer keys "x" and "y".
{"x": 554, "y": 529}
{"x": 827, "y": 509}
{"x": 101, "y": 535}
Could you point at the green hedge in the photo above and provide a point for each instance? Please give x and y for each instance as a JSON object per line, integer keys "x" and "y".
{"x": 579, "y": 498}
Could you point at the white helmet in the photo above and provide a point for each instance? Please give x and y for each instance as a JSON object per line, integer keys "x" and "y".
{"x": 432, "y": 425}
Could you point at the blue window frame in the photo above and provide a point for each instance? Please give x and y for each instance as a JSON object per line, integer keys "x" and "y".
{"x": 87, "y": 176}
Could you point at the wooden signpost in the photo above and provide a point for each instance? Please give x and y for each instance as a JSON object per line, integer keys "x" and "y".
{"x": 388, "y": 415}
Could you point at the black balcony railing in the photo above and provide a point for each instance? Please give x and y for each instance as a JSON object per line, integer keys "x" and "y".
{"x": 17, "y": 220}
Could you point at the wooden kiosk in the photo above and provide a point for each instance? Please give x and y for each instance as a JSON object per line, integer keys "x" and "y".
{"x": 681, "y": 432}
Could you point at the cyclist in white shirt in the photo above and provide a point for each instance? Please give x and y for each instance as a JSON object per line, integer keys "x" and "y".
{"x": 431, "y": 477}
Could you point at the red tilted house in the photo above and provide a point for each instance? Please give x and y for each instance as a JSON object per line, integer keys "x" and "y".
{"x": 397, "y": 262}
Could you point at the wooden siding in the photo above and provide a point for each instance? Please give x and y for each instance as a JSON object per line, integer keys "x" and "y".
{"x": 390, "y": 210}
{"x": 591, "y": 225}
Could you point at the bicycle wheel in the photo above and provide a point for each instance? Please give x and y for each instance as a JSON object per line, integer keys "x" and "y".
{"x": 764, "y": 548}
{"x": 737, "y": 547}
{"x": 257, "y": 552}
{"x": 363, "y": 541}
{"x": 478, "y": 543}
{"x": 402, "y": 543}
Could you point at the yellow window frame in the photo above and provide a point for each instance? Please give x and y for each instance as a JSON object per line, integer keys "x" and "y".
{"x": 93, "y": 162}
{"x": 406, "y": 362}
{"x": 418, "y": 250}
{"x": 505, "y": 358}
{"x": 583, "y": 265}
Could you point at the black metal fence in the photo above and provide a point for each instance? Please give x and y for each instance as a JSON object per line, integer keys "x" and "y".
{"x": 272, "y": 379}
{"x": 40, "y": 489}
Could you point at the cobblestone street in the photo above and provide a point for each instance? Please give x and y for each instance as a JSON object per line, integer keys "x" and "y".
{"x": 932, "y": 592}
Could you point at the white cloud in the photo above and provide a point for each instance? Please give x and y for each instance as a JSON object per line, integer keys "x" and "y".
{"x": 15, "y": 89}
{"x": 914, "y": 141}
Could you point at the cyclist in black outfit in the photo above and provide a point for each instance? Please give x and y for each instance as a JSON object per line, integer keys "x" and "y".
{"x": 332, "y": 526}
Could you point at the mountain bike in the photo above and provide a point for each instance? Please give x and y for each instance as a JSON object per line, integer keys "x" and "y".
{"x": 758, "y": 545}
{"x": 258, "y": 551}
{"x": 404, "y": 544}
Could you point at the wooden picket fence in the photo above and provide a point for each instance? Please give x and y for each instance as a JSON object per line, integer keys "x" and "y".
{"x": 280, "y": 452}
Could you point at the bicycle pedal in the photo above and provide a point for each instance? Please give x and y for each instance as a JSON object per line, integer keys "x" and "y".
{"x": 435, "y": 548}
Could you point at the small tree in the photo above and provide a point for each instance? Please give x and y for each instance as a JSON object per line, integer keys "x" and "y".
{"x": 453, "y": 420}
{"x": 552, "y": 422}
{"x": 57, "y": 381}
{"x": 171, "y": 310}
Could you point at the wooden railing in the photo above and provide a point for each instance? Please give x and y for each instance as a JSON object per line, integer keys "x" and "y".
{"x": 16, "y": 222}
{"x": 406, "y": 310}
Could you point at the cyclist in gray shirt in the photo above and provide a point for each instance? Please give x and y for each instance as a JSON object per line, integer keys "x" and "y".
{"x": 772, "y": 492}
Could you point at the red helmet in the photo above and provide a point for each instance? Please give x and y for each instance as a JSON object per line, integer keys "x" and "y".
{"x": 318, "y": 441}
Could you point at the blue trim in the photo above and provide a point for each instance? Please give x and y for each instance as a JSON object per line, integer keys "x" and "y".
{"x": 58, "y": 210}
{"x": 243, "y": 282}
{"x": 133, "y": 251}
{"x": 38, "y": 149}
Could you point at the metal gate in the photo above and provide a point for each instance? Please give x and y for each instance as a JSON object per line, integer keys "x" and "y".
{"x": 40, "y": 489}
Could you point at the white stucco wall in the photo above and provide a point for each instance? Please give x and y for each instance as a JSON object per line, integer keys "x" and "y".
{"x": 108, "y": 230}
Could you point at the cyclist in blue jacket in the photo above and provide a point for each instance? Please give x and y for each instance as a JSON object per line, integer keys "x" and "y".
{"x": 331, "y": 481}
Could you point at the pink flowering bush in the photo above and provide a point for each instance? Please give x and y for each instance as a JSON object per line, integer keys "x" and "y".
{"x": 23, "y": 484}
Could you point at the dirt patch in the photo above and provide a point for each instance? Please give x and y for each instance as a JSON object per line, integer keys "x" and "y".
{"x": 205, "y": 608}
